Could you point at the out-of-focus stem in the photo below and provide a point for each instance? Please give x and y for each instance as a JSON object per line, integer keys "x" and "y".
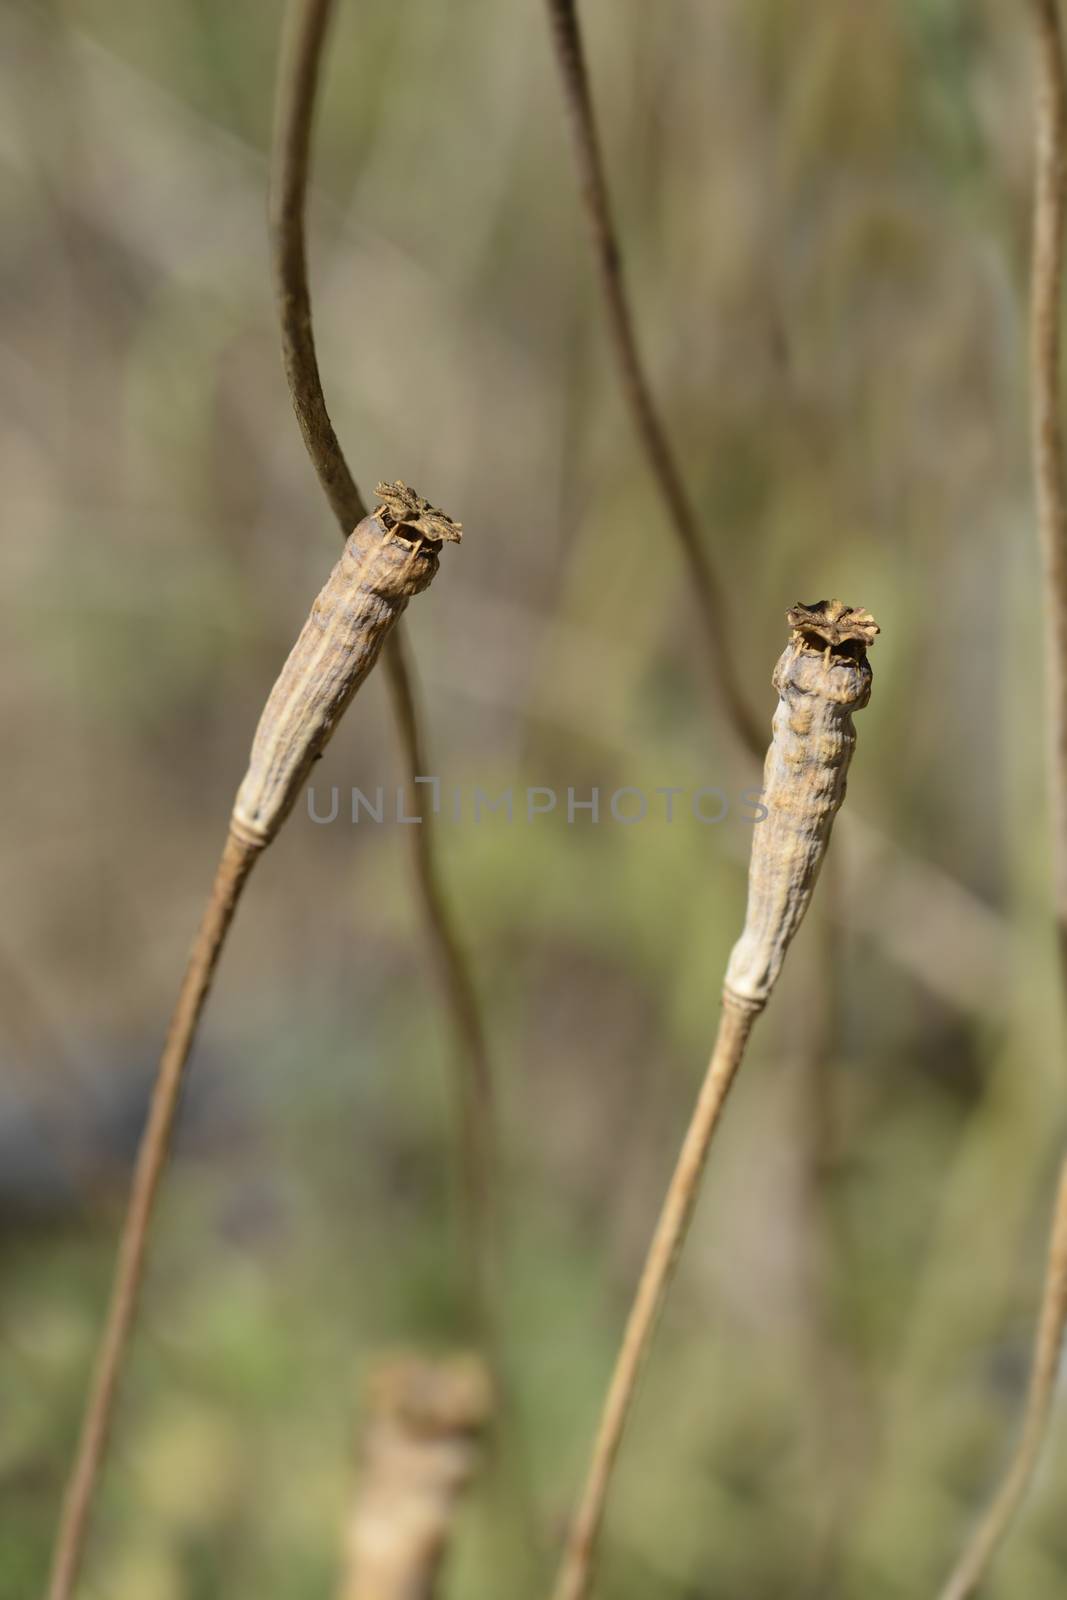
{"x": 473, "y": 1079}
{"x": 1050, "y": 485}
{"x": 421, "y": 1446}
{"x": 1050, "y": 488}
{"x": 704, "y": 581}
{"x": 1047, "y": 1346}
{"x": 306, "y": 26}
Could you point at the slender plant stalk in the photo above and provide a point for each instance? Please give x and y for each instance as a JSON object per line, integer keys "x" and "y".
{"x": 473, "y": 1083}
{"x": 821, "y": 678}
{"x": 303, "y": 42}
{"x": 576, "y": 1572}
{"x": 1046, "y": 291}
{"x": 420, "y": 1450}
{"x": 266, "y": 796}
{"x": 305, "y": 30}
{"x": 238, "y": 858}
{"x": 637, "y": 391}
{"x": 974, "y": 1562}
{"x": 1050, "y": 485}
{"x": 383, "y": 564}
{"x": 637, "y": 395}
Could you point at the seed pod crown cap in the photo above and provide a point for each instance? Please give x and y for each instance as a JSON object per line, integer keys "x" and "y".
{"x": 400, "y": 507}
{"x": 832, "y": 623}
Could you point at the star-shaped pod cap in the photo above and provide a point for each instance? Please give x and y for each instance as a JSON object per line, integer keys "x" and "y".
{"x": 401, "y": 507}
{"x": 832, "y": 623}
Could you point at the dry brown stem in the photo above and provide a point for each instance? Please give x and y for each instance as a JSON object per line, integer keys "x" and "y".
{"x": 304, "y": 37}
{"x": 383, "y": 564}
{"x": 1048, "y": 1343}
{"x": 473, "y": 1084}
{"x": 238, "y": 858}
{"x": 420, "y": 1450}
{"x": 577, "y": 1570}
{"x": 305, "y": 31}
{"x": 1050, "y": 208}
{"x": 822, "y": 677}
{"x": 1050, "y": 486}
{"x": 648, "y": 424}
{"x": 363, "y": 598}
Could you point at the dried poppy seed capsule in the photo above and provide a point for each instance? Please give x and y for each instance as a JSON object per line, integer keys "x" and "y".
{"x": 822, "y": 677}
{"x": 420, "y": 1451}
{"x": 390, "y": 556}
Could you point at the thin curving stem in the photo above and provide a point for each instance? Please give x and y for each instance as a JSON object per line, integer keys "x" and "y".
{"x": 474, "y": 1084}
{"x": 238, "y": 858}
{"x": 1050, "y": 484}
{"x": 306, "y": 26}
{"x": 291, "y": 733}
{"x": 304, "y": 38}
{"x": 648, "y": 424}
{"x": 1048, "y": 1344}
{"x": 1050, "y": 488}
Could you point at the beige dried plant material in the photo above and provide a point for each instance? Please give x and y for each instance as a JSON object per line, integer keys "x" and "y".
{"x": 389, "y": 557}
{"x": 383, "y": 564}
{"x": 421, "y": 1447}
{"x": 822, "y": 678}
{"x": 400, "y": 507}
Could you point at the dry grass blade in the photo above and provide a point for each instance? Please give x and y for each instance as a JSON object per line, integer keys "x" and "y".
{"x": 1050, "y": 215}
{"x": 822, "y": 677}
{"x": 306, "y": 25}
{"x": 420, "y": 1451}
{"x": 651, "y": 432}
{"x": 1048, "y": 1343}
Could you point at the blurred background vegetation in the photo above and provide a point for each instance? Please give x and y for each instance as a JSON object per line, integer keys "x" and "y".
{"x": 826, "y": 214}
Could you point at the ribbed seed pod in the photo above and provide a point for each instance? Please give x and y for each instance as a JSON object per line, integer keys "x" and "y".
{"x": 420, "y": 1451}
{"x": 387, "y": 559}
{"x": 822, "y": 677}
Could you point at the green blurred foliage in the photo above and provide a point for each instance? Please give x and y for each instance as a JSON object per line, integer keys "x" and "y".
{"x": 825, "y": 219}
